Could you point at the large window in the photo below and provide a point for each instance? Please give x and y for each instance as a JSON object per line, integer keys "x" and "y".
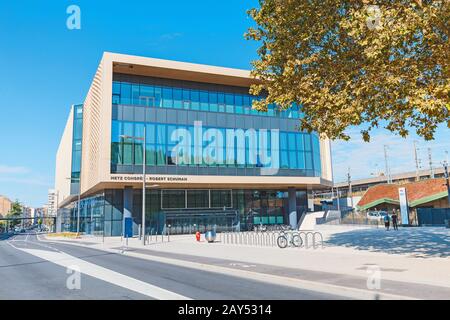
{"x": 136, "y": 94}
{"x": 76, "y": 147}
{"x": 174, "y": 145}
{"x": 173, "y": 199}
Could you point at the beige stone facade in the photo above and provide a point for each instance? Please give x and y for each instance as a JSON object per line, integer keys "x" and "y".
{"x": 5, "y": 205}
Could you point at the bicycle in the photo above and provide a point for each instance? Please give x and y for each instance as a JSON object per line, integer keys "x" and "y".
{"x": 260, "y": 228}
{"x": 284, "y": 240}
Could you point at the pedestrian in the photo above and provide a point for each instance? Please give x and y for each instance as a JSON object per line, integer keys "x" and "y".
{"x": 394, "y": 219}
{"x": 386, "y": 221}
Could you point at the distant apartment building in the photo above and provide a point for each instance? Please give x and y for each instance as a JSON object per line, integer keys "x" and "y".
{"x": 5, "y": 205}
{"x": 52, "y": 205}
{"x": 39, "y": 213}
{"x": 26, "y": 212}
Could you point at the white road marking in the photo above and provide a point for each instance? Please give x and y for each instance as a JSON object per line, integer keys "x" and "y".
{"x": 321, "y": 287}
{"x": 243, "y": 265}
{"x": 93, "y": 270}
{"x": 337, "y": 290}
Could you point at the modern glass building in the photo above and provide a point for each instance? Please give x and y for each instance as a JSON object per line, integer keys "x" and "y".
{"x": 211, "y": 160}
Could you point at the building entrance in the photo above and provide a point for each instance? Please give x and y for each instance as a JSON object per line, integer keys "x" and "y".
{"x": 192, "y": 221}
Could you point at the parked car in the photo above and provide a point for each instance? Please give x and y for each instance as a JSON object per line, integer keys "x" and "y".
{"x": 376, "y": 215}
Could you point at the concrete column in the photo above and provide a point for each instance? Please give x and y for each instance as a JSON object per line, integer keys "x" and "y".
{"x": 127, "y": 202}
{"x": 292, "y": 198}
{"x": 310, "y": 200}
{"x": 59, "y": 220}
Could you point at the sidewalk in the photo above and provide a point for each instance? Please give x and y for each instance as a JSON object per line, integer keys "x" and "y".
{"x": 340, "y": 261}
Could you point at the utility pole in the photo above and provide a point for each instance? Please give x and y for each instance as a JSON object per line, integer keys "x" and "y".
{"x": 430, "y": 161}
{"x": 388, "y": 173}
{"x": 416, "y": 159}
{"x": 349, "y": 179}
{"x": 447, "y": 180}
{"x": 144, "y": 163}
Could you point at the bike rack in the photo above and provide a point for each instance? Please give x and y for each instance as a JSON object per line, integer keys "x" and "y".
{"x": 308, "y": 239}
{"x": 321, "y": 239}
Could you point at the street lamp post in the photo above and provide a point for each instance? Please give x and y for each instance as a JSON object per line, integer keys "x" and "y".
{"x": 144, "y": 164}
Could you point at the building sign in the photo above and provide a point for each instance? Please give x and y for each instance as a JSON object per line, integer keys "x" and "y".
{"x": 138, "y": 178}
{"x": 403, "y": 206}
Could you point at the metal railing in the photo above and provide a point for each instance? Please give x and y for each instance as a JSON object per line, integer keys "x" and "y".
{"x": 305, "y": 239}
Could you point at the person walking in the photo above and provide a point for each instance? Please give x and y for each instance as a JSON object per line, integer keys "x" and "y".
{"x": 386, "y": 221}
{"x": 394, "y": 219}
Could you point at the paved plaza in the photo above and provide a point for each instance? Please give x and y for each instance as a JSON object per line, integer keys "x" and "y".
{"x": 411, "y": 260}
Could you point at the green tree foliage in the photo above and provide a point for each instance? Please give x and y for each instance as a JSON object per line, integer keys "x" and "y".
{"x": 350, "y": 63}
{"x": 15, "y": 212}
{"x": 16, "y": 209}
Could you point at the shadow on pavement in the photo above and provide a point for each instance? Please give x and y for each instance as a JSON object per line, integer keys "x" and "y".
{"x": 420, "y": 242}
{"x": 6, "y": 236}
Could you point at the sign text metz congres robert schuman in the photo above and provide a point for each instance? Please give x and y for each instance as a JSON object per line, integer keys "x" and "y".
{"x": 150, "y": 178}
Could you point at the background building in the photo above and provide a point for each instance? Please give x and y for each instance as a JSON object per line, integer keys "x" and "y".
{"x": 52, "y": 206}
{"x": 213, "y": 184}
{"x": 5, "y": 205}
{"x": 430, "y": 193}
{"x": 351, "y": 192}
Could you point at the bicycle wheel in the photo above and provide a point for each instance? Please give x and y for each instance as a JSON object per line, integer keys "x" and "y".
{"x": 282, "y": 242}
{"x": 297, "y": 240}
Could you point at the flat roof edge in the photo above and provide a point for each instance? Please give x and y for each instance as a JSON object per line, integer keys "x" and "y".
{"x": 176, "y": 65}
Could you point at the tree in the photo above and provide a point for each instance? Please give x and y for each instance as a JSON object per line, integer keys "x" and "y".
{"x": 16, "y": 209}
{"x": 349, "y": 63}
{"x": 15, "y": 212}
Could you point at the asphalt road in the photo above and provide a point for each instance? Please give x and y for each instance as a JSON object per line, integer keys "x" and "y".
{"x": 39, "y": 270}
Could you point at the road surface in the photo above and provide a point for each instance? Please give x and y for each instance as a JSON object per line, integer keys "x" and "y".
{"x": 43, "y": 270}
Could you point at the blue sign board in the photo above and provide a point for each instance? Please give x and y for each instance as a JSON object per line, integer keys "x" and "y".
{"x": 128, "y": 226}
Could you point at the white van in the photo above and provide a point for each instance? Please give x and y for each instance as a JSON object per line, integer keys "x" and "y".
{"x": 376, "y": 215}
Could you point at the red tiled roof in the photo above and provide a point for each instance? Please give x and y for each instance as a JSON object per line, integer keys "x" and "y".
{"x": 415, "y": 191}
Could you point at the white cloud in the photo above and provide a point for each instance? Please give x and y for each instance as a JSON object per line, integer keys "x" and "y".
{"x": 5, "y": 169}
{"x": 27, "y": 181}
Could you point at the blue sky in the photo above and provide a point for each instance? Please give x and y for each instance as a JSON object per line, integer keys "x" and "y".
{"x": 47, "y": 67}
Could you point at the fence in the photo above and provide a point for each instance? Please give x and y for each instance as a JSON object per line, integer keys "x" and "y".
{"x": 306, "y": 239}
{"x": 432, "y": 216}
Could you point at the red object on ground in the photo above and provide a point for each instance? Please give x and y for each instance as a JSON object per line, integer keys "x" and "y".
{"x": 197, "y": 236}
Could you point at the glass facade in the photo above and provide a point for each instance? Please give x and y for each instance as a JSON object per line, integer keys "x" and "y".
{"x": 293, "y": 150}
{"x": 76, "y": 148}
{"x": 185, "y": 211}
{"x": 231, "y": 137}
{"x": 172, "y": 97}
